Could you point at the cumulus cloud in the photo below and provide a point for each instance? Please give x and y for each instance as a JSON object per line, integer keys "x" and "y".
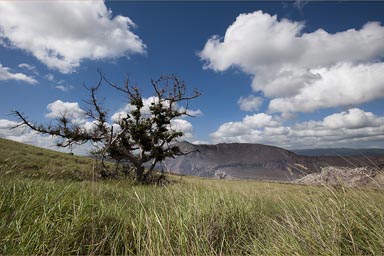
{"x": 250, "y": 103}
{"x": 252, "y": 41}
{"x": 183, "y": 126}
{"x": 6, "y": 74}
{"x": 352, "y": 119}
{"x": 71, "y": 110}
{"x": 340, "y": 85}
{"x": 258, "y": 40}
{"x": 353, "y": 128}
{"x": 62, "y": 34}
{"x": 292, "y": 67}
{"x": 249, "y": 125}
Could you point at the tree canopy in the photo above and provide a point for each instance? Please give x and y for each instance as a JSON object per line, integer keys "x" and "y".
{"x": 143, "y": 135}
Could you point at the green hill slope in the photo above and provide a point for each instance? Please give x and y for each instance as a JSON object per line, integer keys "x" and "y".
{"x": 30, "y": 161}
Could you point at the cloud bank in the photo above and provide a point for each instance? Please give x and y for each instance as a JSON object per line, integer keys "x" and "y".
{"x": 299, "y": 70}
{"x": 62, "y": 34}
{"x": 352, "y": 128}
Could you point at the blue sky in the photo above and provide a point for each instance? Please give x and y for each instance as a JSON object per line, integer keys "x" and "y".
{"x": 289, "y": 74}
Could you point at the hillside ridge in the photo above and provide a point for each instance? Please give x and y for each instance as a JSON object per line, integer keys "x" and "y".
{"x": 254, "y": 161}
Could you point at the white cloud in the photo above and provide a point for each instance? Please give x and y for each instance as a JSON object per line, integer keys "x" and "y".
{"x": 352, "y": 119}
{"x": 252, "y": 41}
{"x": 299, "y": 71}
{"x": 283, "y": 82}
{"x": 200, "y": 142}
{"x": 116, "y": 117}
{"x": 258, "y": 40}
{"x": 29, "y": 67}
{"x": 91, "y": 126}
{"x": 6, "y": 128}
{"x": 352, "y": 128}
{"x": 250, "y": 103}
{"x": 56, "y": 109}
{"x": 341, "y": 85}
{"x": 128, "y": 108}
{"x": 249, "y": 125}
{"x": 145, "y": 110}
{"x": 6, "y": 74}
{"x": 61, "y": 88}
{"x": 64, "y": 88}
{"x": 71, "y": 110}
{"x": 192, "y": 112}
{"x": 183, "y": 126}
{"x": 26, "y": 135}
{"x": 62, "y": 34}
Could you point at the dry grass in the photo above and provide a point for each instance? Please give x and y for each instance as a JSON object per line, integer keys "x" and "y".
{"x": 192, "y": 216}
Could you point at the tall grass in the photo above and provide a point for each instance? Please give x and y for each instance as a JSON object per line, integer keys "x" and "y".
{"x": 49, "y": 205}
{"x": 192, "y": 217}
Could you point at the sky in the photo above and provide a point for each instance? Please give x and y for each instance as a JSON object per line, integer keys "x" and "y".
{"x": 296, "y": 74}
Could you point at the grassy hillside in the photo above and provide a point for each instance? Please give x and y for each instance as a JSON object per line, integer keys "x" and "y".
{"x": 57, "y": 210}
{"x": 33, "y": 162}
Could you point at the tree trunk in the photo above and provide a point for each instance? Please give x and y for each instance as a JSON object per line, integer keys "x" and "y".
{"x": 140, "y": 177}
{"x": 150, "y": 170}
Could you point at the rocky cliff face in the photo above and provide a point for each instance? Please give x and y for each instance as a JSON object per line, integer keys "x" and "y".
{"x": 250, "y": 161}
